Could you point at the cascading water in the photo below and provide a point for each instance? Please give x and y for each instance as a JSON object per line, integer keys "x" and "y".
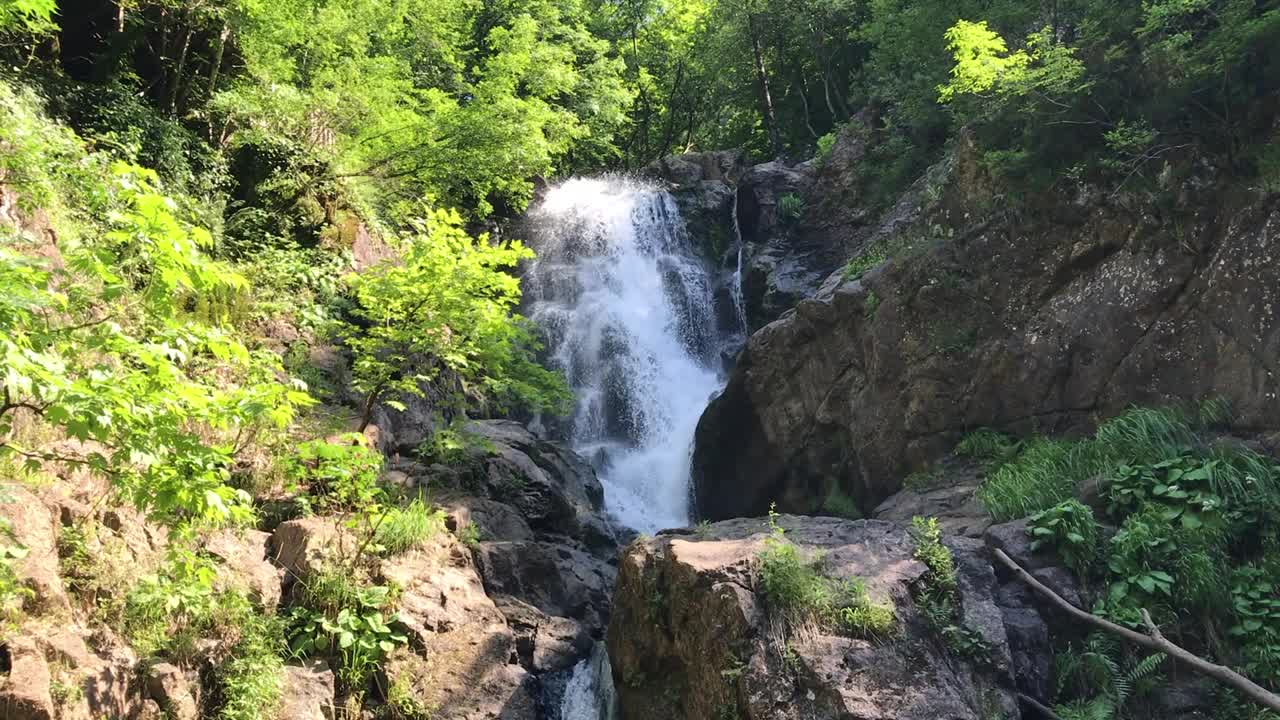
{"x": 627, "y": 309}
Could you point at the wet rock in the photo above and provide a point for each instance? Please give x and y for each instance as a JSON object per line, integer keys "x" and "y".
{"x": 308, "y": 691}
{"x": 691, "y": 636}
{"x": 556, "y": 579}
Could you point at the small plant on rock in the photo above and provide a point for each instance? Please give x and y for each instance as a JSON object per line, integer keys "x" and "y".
{"x": 794, "y": 586}
{"x": 1070, "y": 529}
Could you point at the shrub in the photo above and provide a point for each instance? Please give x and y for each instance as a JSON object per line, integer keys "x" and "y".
{"x": 936, "y": 596}
{"x": 1071, "y": 530}
{"x": 826, "y": 144}
{"x": 341, "y": 475}
{"x": 790, "y": 208}
{"x": 344, "y": 620}
{"x": 839, "y": 504}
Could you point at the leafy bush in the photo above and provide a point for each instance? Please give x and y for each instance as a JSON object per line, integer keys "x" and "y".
{"x": 839, "y": 504}
{"x": 1071, "y": 530}
{"x": 342, "y": 475}
{"x": 342, "y": 620}
{"x": 826, "y": 144}
{"x": 937, "y": 597}
{"x": 1047, "y": 472}
{"x": 448, "y": 305}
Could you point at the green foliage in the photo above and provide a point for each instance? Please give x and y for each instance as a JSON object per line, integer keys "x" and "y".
{"x": 448, "y": 307}
{"x": 826, "y": 144}
{"x": 790, "y": 208}
{"x": 795, "y": 587}
{"x": 251, "y": 680}
{"x": 1070, "y": 528}
{"x": 404, "y": 528}
{"x": 992, "y": 448}
{"x": 937, "y": 595}
{"x": 347, "y": 622}
{"x": 839, "y": 504}
{"x": 1046, "y": 472}
{"x": 469, "y": 535}
{"x": 341, "y": 475}
{"x": 870, "y": 304}
{"x": 1102, "y": 678}
{"x": 34, "y": 16}
{"x": 453, "y": 445}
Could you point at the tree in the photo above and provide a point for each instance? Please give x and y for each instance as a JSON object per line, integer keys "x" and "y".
{"x": 444, "y": 314}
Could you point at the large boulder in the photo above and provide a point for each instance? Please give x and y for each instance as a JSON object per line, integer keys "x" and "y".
{"x": 462, "y": 664}
{"x": 1045, "y": 320}
{"x": 308, "y": 692}
{"x": 692, "y": 636}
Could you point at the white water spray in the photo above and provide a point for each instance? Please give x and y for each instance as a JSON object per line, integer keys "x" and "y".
{"x": 627, "y": 309}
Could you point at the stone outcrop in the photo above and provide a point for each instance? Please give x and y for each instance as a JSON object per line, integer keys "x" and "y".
{"x": 1045, "y": 318}
{"x": 692, "y": 635}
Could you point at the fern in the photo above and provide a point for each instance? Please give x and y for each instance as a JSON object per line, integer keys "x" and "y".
{"x": 1099, "y": 669}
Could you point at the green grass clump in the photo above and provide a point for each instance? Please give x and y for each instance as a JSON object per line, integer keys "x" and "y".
{"x": 937, "y": 595}
{"x": 794, "y": 586}
{"x": 990, "y": 447}
{"x": 839, "y": 504}
{"x": 249, "y": 683}
{"x": 403, "y": 529}
{"x": 1047, "y": 472}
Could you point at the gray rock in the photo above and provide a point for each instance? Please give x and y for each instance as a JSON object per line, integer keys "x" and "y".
{"x": 308, "y": 691}
{"x": 691, "y": 637}
{"x": 1038, "y": 324}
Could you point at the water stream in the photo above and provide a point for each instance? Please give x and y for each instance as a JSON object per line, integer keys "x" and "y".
{"x": 627, "y": 307}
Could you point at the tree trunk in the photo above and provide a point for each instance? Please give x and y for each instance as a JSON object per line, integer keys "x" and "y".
{"x": 762, "y": 77}
{"x": 176, "y": 84}
{"x": 218, "y": 51}
{"x": 804, "y": 101}
{"x": 668, "y": 133}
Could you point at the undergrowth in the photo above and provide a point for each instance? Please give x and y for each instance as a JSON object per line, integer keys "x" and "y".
{"x": 937, "y": 592}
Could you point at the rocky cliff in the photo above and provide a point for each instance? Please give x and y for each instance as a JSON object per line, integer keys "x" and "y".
{"x": 964, "y": 307}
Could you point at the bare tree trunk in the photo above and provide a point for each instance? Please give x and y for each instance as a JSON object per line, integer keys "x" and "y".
{"x": 668, "y": 133}
{"x": 218, "y": 51}
{"x": 804, "y": 100}
{"x": 120, "y": 16}
{"x": 176, "y": 84}
{"x": 762, "y": 77}
{"x": 1153, "y": 640}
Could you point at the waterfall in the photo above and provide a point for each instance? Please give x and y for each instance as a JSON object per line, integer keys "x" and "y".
{"x": 589, "y": 694}
{"x": 627, "y": 311}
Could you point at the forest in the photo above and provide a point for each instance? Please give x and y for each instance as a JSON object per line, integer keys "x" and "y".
{"x": 239, "y": 235}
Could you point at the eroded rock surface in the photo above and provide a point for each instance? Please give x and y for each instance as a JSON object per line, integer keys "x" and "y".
{"x": 691, "y": 635}
{"x": 1043, "y": 320}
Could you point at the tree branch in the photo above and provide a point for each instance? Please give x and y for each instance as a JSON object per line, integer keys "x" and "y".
{"x": 1153, "y": 641}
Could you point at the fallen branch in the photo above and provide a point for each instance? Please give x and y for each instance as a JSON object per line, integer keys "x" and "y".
{"x": 1044, "y": 710}
{"x": 1153, "y": 641}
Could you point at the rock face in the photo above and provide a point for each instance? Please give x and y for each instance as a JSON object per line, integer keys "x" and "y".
{"x": 691, "y": 635}
{"x": 526, "y": 598}
{"x": 1047, "y": 319}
